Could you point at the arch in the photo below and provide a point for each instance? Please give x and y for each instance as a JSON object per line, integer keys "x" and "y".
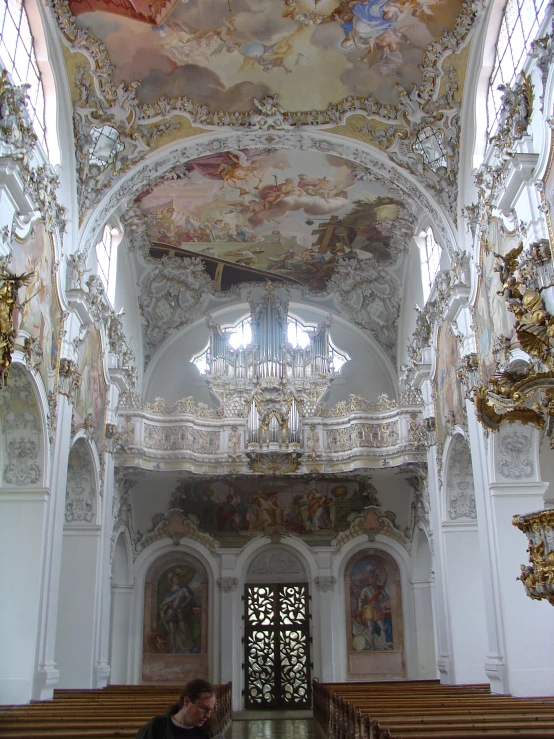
{"x": 373, "y": 605}
{"x": 276, "y": 563}
{"x": 141, "y": 567}
{"x": 175, "y": 622}
{"x": 400, "y": 556}
{"x": 81, "y": 500}
{"x": 193, "y": 338}
{"x": 162, "y": 160}
{"x": 121, "y": 593}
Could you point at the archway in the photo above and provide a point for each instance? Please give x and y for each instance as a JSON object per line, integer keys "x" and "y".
{"x": 76, "y": 631}
{"x": 122, "y": 590}
{"x": 277, "y": 631}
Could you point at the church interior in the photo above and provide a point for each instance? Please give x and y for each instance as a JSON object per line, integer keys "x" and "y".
{"x": 243, "y": 435}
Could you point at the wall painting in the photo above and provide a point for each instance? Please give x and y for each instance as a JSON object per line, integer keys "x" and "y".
{"x": 375, "y": 634}
{"x": 175, "y": 621}
{"x": 225, "y": 54}
{"x": 254, "y": 214}
{"x": 449, "y": 402}
{"x": 492, "y": 319}
{"x": 238, "y": 510}
{"x": 39, "y": 313}
{"x": 90, "y": 399}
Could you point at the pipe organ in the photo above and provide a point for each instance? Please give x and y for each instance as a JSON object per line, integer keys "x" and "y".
{"x": 275, "y": 381}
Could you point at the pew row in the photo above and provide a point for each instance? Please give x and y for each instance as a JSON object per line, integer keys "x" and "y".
{"x": 116, "y": 711}
{"x": 427, "y": 710}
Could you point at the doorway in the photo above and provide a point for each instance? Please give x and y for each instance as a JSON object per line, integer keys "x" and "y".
{"x": 277, "y": 646}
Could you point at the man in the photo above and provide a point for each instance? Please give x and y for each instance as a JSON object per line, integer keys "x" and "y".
{"x": 186, "y": 718}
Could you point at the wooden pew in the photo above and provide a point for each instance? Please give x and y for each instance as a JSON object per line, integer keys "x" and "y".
{"x": 114, "y": 712}
{"x": 427, "y": 710}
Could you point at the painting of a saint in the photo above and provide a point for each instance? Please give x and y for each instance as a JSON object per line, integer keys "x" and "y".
{"x": 90, "y": 398}
{"x": 371, "y": 607}
{"x": 178, "y": 627}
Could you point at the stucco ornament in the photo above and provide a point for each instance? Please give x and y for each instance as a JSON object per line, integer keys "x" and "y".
{"x": 228, "y": 584}
{"x": 276, "y": 562}
{"x": 19, "y": 142}
{"x": 80, "y": 498}
{"x": 369, "y": 296}
{"x": 20, "y": 418}
{"x": 460, "y": 486}
{"x": 173, "y": 293}
{"x": 325, "y": 583}
{"x": 21, "y": 467}
{"x": 514, "y": 461}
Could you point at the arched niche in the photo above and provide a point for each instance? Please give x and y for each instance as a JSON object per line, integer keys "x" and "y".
{"x": 22, "y": 438}
{"x": 458, "y": 482}
{"x": 81, "y": 505}
{"x": 422, "y": 584}
{"x": 121, "y": 574}
{"x": 276, "y": 564}
{"x": 120, "y": 609}
{"x": 374, "y": 621}
{"x": 175, "y": 626}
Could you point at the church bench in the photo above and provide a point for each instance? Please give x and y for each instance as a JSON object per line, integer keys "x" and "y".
{"x": 110, "y": 713}
{"x": 370, "y": 711}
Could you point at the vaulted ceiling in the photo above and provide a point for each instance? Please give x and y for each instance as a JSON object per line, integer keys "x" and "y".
{"x": 299, "y": 140}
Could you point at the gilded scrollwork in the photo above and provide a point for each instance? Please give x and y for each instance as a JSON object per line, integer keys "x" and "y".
{"x": 538, "y": 577}
{"x": 524, "y": 393}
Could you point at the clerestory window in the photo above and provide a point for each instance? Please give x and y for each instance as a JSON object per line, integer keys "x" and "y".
{"x": 17, "y": 56}
{"x": 520, "y": 26}
{"x": 298, "y": 335}
{"x": 106, "y": 260}
{"x": 430, "y": 253}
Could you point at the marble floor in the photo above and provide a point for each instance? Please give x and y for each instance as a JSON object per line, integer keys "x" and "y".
{"x": 274, "y": 728}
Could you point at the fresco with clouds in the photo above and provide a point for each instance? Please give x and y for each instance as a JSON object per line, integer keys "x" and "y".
{"x": 224, "y": 54}
{"x": 280, "y": 214}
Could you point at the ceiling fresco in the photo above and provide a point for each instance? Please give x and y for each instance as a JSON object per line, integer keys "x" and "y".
{"x": 259, "y": 213}
{"x": 227, "y": 54}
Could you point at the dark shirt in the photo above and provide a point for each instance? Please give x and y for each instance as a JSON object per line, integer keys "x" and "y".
{"x": 162, "y": 727}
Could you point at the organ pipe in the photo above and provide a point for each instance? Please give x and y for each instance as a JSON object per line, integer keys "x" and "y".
{"x": 271, "y": 362}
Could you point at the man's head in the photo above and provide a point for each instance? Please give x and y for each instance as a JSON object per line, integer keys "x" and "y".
{"x": 196, "y": 704}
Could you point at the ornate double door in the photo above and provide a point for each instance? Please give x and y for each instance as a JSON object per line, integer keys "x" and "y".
{"x": 277, "y": 646}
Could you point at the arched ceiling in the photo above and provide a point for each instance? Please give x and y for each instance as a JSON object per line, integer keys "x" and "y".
{"x": 196, "y": 123}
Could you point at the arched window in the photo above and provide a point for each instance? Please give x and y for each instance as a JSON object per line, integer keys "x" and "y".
{"x": 298, "y": 335}
{"x": 17, "y": 55}
{"x": 430, "y": 253}
{"x": 520, "y": 26}
{"x": 106, "y": 259}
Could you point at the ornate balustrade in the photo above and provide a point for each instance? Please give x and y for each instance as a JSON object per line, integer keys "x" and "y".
{"x": 191, "y": 436}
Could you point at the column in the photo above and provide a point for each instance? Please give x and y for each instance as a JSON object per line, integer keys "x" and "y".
{"x": 516, "y": 488}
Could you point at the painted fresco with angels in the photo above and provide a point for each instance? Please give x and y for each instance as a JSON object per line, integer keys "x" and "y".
{"x": 226, "y": 54}
{"x": 236, "y": 510}
{"x": 260, "y": 213}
